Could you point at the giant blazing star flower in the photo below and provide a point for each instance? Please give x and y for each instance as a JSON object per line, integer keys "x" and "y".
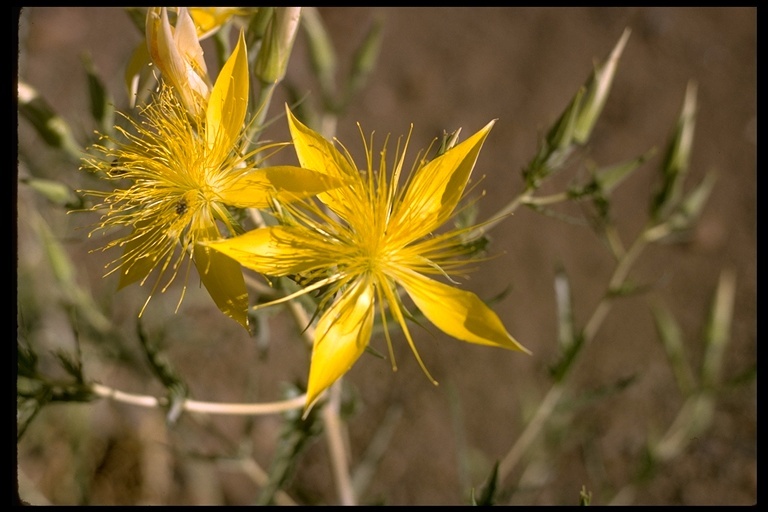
{"x": 376, "y": 238}
{"x": 184, "y": 168}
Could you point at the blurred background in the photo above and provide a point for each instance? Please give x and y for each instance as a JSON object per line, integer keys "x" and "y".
{"x": 439, "y": 69}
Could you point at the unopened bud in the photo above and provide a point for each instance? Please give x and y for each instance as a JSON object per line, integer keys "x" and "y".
{"x": 277, "y": 45}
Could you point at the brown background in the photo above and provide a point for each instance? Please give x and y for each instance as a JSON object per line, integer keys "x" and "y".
{"x": 441, "y": 69}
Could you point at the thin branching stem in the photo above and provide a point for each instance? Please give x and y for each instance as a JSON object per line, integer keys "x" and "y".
{"x": 547, "y": 406}
{"x": 618, "y": 277}
{"x": 502, "y": 214}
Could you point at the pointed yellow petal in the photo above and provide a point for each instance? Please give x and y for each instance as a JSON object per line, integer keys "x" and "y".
{"x": 342, "y": 334}
{"x": 458, "y": 313}
{"x": 274, "y": 251}
{"x": 285, "y": 183}
{"x": 436, "y": 188}
{"x": 223, "y": 278}
{"x": 316, "y": 153}
{"x": 229, "y": 100}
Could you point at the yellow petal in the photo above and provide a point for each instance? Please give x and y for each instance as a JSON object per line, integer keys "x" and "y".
{"x": 458, "y": 313}
{"x": 223, "y": 278}
{"x": 274, "y": 251}
{"x": 316, "y": 153}
{"x": 342, "y": 334}
{"x": 285, "y": 183}
{"x": 229, "y": 100}
{"x": 436, "y": 188}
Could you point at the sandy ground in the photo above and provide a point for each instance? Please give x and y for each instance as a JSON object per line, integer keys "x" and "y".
{"x": 441, "y": 69}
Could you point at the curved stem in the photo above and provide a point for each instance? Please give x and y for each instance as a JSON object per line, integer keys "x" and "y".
{"x": 242, "y": 409}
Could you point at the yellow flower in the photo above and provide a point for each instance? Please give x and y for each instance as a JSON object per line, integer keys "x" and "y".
{"x": 183, "y": 171}
{"x": 376, "y": 238}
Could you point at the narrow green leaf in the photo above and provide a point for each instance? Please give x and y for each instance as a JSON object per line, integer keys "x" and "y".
{"x": 488, "y": 496}
{"x": 672, "y": 340}
{"x": 364, "y": 61}
{"x": 321, "y": 53}
{"x": 54, "y": 191}
{"x": 54, "y": 130}
{"x": 689, "y": 209}
{"x": 677, "y": 158}
{"x": 565, "y": 328}
{"x": 717, "y": 333}
{"x": 597, "y": 88}
{"x": 102, "y": 106}
{"x": 557, "y": 146}
{"x": 608, "y": 178}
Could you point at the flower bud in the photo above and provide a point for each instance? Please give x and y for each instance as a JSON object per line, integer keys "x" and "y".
{"x": 276, "y": 47}
{"x": 177, "y": 53}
